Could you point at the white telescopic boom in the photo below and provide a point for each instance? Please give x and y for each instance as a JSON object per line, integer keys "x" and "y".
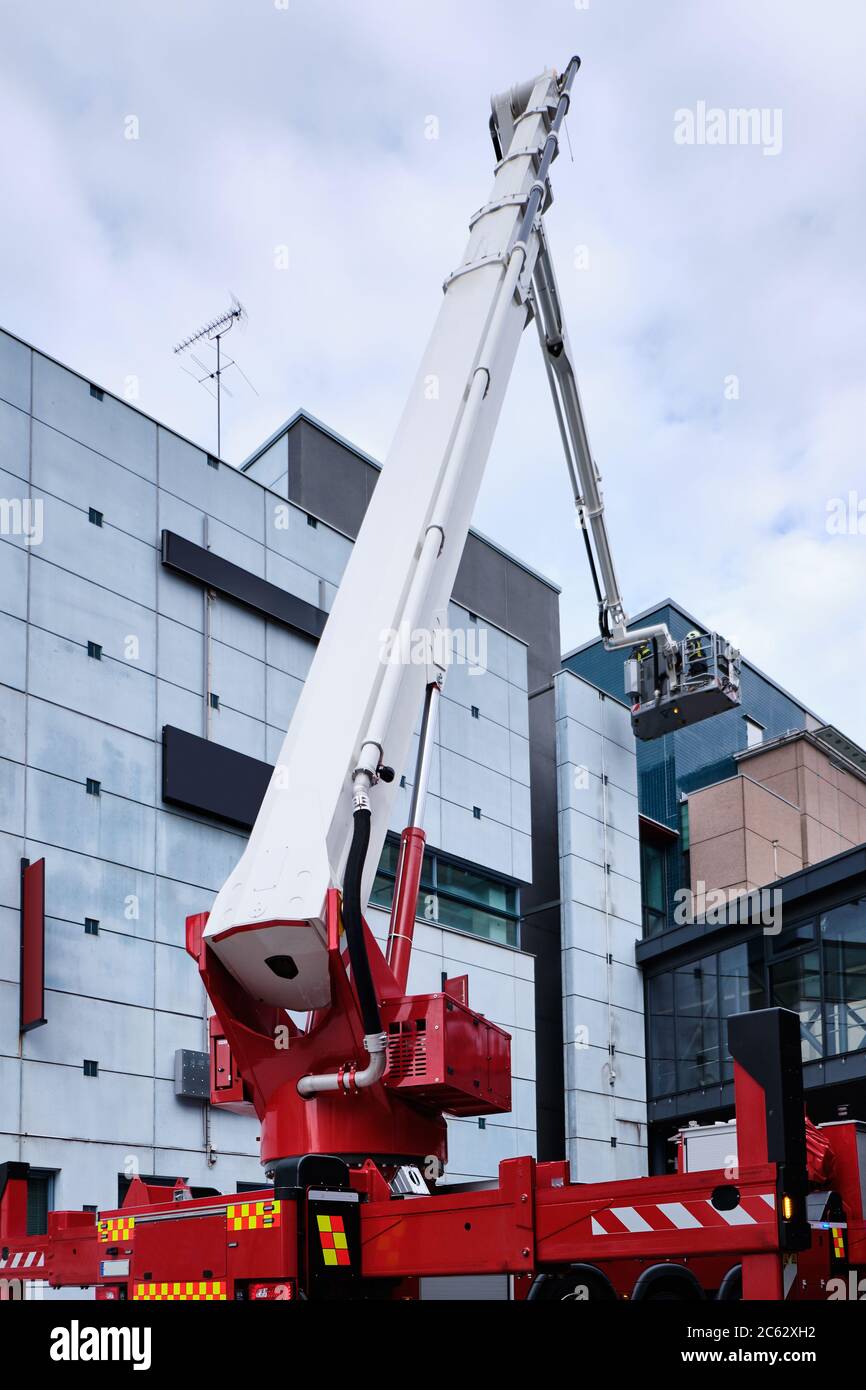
{"x": 364, "y": 691}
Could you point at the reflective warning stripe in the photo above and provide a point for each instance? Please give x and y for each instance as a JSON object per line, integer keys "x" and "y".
{"x": 691, "y": 1215}
{"x": 837, "y": 1234}
{"x": 201, "y": 1290}
{"x": 253, "y": 1216}
{"x": 22, "y": 1259}
{"x": 115, "y": 1228}
{"x": 335, "y": 1244}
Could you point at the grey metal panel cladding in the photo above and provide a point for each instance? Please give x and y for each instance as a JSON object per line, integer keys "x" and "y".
{"x": 216, "y": 573}
{"x": 207, "y": 777}
{"x": 481, "y": 583}
{"x": 327, "y": 479}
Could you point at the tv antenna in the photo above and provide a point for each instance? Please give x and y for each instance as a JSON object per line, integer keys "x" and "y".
{"x": 212, "y": 334}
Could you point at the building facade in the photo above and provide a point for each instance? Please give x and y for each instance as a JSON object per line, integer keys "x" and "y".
{"x": 159, "y": 612}
{"x": 768, "y": 797}
{"x": 811, "y": 958}
{"x": 603, "y": 1043}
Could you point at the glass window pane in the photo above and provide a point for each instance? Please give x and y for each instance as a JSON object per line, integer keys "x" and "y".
{"x": 845, "y": 923}
{"x": 388, "y": 861}
{"x": 844, "y": 933}
{"x": 465, "y": 917}
{"x": 800, "y": 934}
{"x": 662, "y": 1042}
{"x": 684, "y": 827}
{"x": 383, "y": 892}
{"x": 741, "y": 989}
{"x": 488, "y": 899}
{"x": 654, "y": 889}
{"x": 697, "y": 1030}
{"x": 796, "y": 984}
{"x": 469, "y": 883}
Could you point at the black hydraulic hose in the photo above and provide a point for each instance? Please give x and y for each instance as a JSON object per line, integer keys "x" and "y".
{"x": 353, "y": 923}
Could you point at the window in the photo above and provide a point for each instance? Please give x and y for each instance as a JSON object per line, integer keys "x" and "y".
{"x": 94, "y": 650}
{"x": 795, "y": 983}
{"x": 801, "y": 934}
{"x": 454, "y": 895}
{"x": 91, "y": 926}
{"x": 93, "y": 787}
{"x": 754, "y": 732}
{"x": 685, "y": 844}
{"x": 697, "y": 1025}
{"x": 40, "y": 1201}
{"x": 91, "y": 1067}
{"x": 654, "y": 886}
{"x": 312, "y": 521}
{"x": 212, "y": 461}
{"x": 475, "y": 712}
{"x": 476, "y": 812}
{"x": 96, "y": 392}
{"x": 94, "y": 517}
{"x": 213, "y": 700}
{"x": 475, "y": 902}
{"x": 740, "y": 990}
{"x": 843, "y": 937}
{"x": 688, "y": 1010}
{"x": 383, "y": 886}
{"x": 663, "y": 1067}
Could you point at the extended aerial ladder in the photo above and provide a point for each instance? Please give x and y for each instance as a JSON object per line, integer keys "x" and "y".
{"x": 349, "y": 1075}
{"x": 326, "y": 811}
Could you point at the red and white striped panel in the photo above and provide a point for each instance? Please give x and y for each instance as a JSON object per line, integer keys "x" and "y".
{"x": 23, "y": 1259}
{"x": 681, "y": 1216}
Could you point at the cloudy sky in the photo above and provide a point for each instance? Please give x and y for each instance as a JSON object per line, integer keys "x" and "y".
{"x": 717, "y": 312}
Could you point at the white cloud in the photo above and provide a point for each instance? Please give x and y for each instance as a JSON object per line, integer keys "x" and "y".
{"x": 261, "y": 127}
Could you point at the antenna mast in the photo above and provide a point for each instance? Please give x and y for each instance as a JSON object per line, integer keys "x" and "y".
{"x": 213, "y": 332}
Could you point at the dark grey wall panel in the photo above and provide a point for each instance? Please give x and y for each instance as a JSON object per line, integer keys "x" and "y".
{"x": 327, "y": 479}
{"x": 204, "y": 776}
{"x": 185, "y": 557}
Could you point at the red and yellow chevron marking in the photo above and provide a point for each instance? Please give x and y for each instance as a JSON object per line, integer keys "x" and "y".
{"x": 113, "y": 1229}
{"x": 837, "y": 1235}
{"x": 252, "y": 1216}
{"x": 335, "y": 1246}
{"x": 201, "y": 1290}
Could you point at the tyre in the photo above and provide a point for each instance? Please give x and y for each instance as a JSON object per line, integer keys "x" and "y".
{"x": 573, "y": 1286}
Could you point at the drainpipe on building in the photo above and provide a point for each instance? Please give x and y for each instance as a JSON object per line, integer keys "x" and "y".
{"x": 209, "y": 599}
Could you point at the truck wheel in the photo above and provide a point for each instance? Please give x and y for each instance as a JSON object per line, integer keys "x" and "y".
{"x": 731, "y": 1287}
{"x": 580, "y": 1285}
{"x": 667, "y": 1283}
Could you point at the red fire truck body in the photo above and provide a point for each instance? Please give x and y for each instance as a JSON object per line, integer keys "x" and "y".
{"x": 328, "y": 1229}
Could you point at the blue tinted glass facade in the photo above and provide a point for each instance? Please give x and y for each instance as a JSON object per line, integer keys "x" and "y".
{"x": 687, "y": 759}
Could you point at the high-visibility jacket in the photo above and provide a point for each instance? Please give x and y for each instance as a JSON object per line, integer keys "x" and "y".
{"x": 694, "y": 646}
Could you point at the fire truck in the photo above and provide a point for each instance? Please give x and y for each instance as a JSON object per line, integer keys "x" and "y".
{"x": 781, "y": 1219}
{"x": 351, "y": 1077}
